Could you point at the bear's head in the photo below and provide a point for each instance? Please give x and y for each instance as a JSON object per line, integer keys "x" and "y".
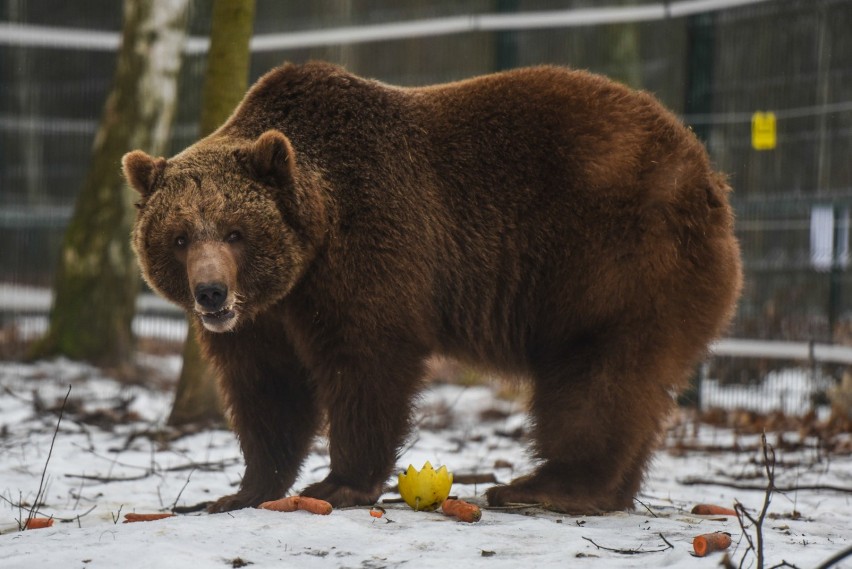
{"x": 226, "y": 228}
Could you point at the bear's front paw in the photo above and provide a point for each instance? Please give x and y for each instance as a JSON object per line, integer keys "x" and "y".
{"x": 238, "y": 501}
{"x": 341, "y": 495}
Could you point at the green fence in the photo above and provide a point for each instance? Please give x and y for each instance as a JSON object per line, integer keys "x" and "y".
{"x": 789, "y": 60}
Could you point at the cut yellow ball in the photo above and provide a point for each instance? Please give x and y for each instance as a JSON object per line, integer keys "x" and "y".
{"x": 426, "y": 489}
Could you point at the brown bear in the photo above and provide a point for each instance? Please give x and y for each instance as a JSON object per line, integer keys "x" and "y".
{"x": 541, "y": 223}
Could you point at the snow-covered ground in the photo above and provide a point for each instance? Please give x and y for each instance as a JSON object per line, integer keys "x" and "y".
{"x": 108, "y": 460}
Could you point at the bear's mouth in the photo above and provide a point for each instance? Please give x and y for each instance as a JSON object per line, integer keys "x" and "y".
{"x": 219, "y": 321}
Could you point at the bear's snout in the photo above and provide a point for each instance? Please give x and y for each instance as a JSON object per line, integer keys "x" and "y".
{"x": 212, "y": 275}
{"x": 211, "y": 296}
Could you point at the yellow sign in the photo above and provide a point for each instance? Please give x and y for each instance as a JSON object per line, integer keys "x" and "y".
{"x": 763, "y": 133}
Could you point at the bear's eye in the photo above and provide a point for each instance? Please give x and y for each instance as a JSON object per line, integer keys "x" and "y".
{"x": 234, "y": 236}
{"x": 181, "y": 241}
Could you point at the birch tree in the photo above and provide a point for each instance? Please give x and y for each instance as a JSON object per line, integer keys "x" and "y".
{"x": 97, "y": 279}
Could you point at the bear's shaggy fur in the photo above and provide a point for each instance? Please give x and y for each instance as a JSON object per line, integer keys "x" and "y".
{"x": 544, "y": 223}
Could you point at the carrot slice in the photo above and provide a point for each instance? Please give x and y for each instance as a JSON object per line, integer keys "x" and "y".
{"x": 710, "y": 542}
{"x": 464, "y": 511}
{"x": 713, "y": 510}
{"x": 38, "y": 523}
{"x": 293, "y": 503}
{"x": 131, "y": 518}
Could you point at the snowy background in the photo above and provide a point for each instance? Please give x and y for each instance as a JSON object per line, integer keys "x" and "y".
{"x": 113, "y": 455}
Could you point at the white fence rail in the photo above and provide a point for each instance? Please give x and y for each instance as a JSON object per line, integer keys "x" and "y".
{"x": 65, "y": 38}
{"x": 770, "y": 349}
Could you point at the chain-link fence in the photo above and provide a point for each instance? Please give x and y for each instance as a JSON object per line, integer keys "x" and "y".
{"x": 766, "y": 84}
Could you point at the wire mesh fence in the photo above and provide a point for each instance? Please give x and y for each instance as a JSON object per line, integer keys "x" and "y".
{"x": 728, "y": 68}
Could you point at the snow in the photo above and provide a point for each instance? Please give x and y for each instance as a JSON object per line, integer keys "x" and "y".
{"x": 451, "y": 431}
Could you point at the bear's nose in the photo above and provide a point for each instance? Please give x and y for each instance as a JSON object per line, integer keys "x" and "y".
{"x": 211, "y": 296}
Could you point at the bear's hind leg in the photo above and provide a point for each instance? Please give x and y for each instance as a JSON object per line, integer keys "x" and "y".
{"x": 597, "y": 412}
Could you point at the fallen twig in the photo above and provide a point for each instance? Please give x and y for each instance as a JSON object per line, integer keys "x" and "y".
{"x": 192, "y": 466}
{"x": 21, "y": 507}
{"x": 644, "y": 505}
{"x": 207, "y": 466}
{"x": 472, "y": 478}
{"x": 695, "y": 481}
{"x": 631, "y": 551}
{"x": 515, "y": 506}
{"x": 830, "y": 562}
{"x": 108, "y": 479}
{"x": 199, "y": 507}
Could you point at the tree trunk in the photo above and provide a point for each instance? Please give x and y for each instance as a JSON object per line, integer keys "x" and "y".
{"x": 225, "y": 83}
{"x": 97, "y": 280}
{"x": 623, "y": 52}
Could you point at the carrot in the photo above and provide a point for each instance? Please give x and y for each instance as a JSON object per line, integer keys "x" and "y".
{"x": 288, "y": 504}
{"x": 293, "y": 503}
{"x": 710, "y": 542}
{"x": 130, "y": 518}
{"x": 38, "y": 523}
{"x": 464, "y": 511}
{"x": 315, "y": 506}
{"x": 713, "y": 510}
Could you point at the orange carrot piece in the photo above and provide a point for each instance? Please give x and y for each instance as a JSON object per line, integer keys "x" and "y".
{"x": 288, "y": 504}
{"x": 39, "y": 523}
{"x": 710, "y": 542}
{"x": 315, "y": 506}
{"x": 713, "y": 510}
{"x": 293, "y": 503}
{"x": 464, "y": 511}
{"x": 131, "y": 518}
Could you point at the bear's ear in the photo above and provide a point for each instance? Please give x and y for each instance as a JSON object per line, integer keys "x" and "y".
{"x": 271, "y": 159}
{"x": 142, "y": 171}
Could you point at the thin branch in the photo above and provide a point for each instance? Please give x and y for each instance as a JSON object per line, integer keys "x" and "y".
{"x": 201, "y": 506}
{"x": 757, "y": 545}
{"x": 831, "y": 561}
{"x": 185, "y": 484}
{"x": 769, "y": 466}
{"x": 780, "y": 489}
{"x": 474, "y": 478}
{"x": 192, "y": 466}
{"x": 207, "y": 466}
{"x": 20, "y": 505}
{"x": 46, "y": 462}
{"x": 108, "y": 479}
{"x": 631, "y": 551}
{"x": 741, "y": 514}
{"x": 644, "y": 505}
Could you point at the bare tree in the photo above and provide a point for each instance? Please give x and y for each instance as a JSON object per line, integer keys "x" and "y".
{"x": 225, "y": 83}
{"x": 97, "y": 280}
